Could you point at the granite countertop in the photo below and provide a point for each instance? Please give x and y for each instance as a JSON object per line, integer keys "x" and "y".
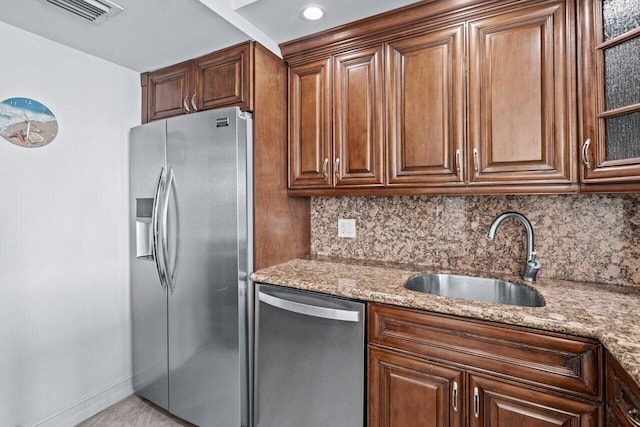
{"x": 606, "y": 312}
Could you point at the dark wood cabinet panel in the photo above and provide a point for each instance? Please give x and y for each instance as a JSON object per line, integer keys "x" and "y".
{"x": 623, "y": 396}
{"x": 281, "y": 224}
{"x": 220, "y": 79}
{"x": 499, "y": 404}
{"x": 425, "y": 108}
{"x": 566, "y": 363}
{"x": 168, "y": 91}
{"x": 405, "y": 391}
{"x": 310, "y": 154}
{"x": 610, "y": 119}
{"x": 336, "y": 122}
{"x": 358, "y": 118}
{"x": 520, "y": 93}
{"x": 224, "y": 78}
{"x": 506, "y": 376}
{"x": 479, "y": 101}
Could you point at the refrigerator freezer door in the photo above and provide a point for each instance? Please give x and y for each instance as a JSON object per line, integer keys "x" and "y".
{"x": 207, "y": 206}
{"x": 149, "y": 301}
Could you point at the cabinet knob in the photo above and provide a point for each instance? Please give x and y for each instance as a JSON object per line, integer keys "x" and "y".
{"x": 185, "y": 104}
{"x": 459, "y": 164}
{"x": 476, "y": 402}
{"x": 193, "y": 102}
{"x": 455, "y": 396}
{"x": 325, "y": 164}
{"x": 585, "y": 153}
{"x": 633, "y": 417}
{"x": 476, "y": 165}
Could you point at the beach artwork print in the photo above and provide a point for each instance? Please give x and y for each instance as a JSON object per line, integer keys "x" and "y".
{"x": 27, "y": 123}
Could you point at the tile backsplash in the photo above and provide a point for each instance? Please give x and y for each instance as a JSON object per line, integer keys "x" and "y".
{"x": 594, "y": 238}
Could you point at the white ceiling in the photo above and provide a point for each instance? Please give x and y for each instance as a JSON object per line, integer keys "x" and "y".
{"x": 151, "y": 34}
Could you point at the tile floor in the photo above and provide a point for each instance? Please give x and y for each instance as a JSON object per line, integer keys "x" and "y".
{"x": 134, "y": 412}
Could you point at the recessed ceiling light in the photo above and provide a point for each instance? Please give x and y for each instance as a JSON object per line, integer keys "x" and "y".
{"x": 312, "y": 12}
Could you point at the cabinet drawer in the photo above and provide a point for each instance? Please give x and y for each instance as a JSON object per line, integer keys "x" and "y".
{"x": 554, "y": 361}
{"x": 623, "y": 396}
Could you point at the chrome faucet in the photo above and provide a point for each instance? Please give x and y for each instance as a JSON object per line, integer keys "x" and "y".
{"x": 531, "y": 265}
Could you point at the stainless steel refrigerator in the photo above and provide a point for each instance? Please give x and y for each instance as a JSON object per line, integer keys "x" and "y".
{"x": 191, "y": 246}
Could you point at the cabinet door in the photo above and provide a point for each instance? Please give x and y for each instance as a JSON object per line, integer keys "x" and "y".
{"x": 497, "y": 404}
{"x": 404, "y": 391}
{"x": 623, "y": 396}
{"x": 610, "y": 75}
{"x": 223, "y": 78}
{"x": 520, "y": 97}
{"x": 425, "y": 107}
{"x": 310, "y": 125}
{"x": 613, "y": 420}
{"x": 168, "y": 90}
{"x": 358, "y": 118}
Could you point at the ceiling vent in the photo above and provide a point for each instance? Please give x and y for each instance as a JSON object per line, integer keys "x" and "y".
{"x": 95, "y": 11}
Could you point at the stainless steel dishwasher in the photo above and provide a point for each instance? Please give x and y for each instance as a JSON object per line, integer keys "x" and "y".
{"x": 309, "y": 359}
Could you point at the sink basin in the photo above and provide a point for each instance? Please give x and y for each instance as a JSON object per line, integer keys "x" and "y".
{"x": 476, "y": 289}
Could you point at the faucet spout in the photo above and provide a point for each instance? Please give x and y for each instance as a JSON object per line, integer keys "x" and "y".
{"x": 531, "y": 265}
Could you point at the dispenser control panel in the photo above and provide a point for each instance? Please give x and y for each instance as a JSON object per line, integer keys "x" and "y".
{"x": 144, "y": 232}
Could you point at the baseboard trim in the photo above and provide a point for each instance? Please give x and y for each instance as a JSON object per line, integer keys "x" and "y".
{"x": 89, "y": 406}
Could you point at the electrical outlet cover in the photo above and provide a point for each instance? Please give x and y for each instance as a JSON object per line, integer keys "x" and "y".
{"x": 347, "y": 228}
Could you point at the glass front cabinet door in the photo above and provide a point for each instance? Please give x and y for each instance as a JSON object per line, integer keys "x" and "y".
{"x": 610, "y": 94}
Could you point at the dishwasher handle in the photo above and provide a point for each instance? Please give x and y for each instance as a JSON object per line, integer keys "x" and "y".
{"x": 310, "y": 310}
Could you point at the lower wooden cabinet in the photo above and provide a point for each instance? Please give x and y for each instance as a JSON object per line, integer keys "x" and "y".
{"x": 623, "y": 396}
{"x": 499, "y": 404}
{"x": 437, "y": 370}
{"x": 405, "y": 391}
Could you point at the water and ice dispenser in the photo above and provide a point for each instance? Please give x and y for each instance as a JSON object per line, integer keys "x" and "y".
{"x": 144, "y": 232}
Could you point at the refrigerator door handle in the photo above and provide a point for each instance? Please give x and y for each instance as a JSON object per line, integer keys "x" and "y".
{"x": 156, "y": 249}
{"x": 310, "y": 310}
{"x": 170, "y": 275}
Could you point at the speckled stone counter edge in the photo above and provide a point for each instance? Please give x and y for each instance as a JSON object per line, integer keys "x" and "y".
{"x": 606, "y": 312}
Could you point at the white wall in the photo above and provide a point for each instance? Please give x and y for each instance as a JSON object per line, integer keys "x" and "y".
{"x": 64, "y": 287}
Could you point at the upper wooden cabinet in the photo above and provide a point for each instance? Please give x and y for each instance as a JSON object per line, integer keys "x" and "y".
{"x": 520, "y": 97}
{"x": 223, "y": 78}
{"x": 425, "y": 108}
{"x": 358, "y": 120}
{"x": 480, "y": 102}
{"x": 609, "y": 71}
{"x": 166, "y": 92}
{"x": 310, "y": 125}
{"x": 336, "y": 123}
{"x": 219, "y": 79}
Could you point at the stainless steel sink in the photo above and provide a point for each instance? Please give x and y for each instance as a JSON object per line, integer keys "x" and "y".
{"x": 476, "y": 289}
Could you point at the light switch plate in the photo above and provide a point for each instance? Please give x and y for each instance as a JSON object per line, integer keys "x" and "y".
{"x": 347, "y": 228}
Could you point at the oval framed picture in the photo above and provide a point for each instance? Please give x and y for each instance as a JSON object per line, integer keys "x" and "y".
{"x": 27, "y": 122}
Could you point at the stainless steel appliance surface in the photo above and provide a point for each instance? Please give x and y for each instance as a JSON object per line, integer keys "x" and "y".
{"x": 309, "y": 359}
{"x": 190, "y": 222}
